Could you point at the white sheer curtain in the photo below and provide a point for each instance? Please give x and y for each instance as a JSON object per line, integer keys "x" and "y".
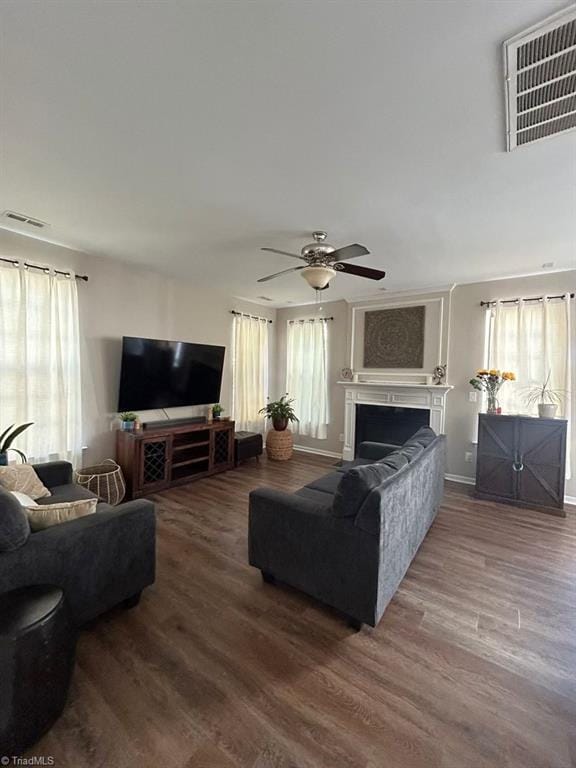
{"x": 532, "y": 339}
{"x": 40, "y": 362}
{"x": 249, "y": 372}
{"x": 307, "y": 375}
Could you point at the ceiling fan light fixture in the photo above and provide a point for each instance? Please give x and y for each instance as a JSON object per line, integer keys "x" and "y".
{"x": 318, "y": 277}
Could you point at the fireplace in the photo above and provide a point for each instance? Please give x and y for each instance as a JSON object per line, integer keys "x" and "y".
{"x": 400, "y": 409}
{"x": 388, "y": 424}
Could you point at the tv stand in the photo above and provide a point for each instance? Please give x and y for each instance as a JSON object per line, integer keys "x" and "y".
{"x": 174, "y": 422}
{"x": 174, "y": 454}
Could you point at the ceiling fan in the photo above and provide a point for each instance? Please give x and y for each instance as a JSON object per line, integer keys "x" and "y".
{"x": 323, "y": 262}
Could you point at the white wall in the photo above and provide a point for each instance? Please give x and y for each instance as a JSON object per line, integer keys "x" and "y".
{"x": 120, "y": 300}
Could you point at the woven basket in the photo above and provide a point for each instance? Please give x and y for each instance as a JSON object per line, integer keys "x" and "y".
{"x": 105, "y": 480}
{"x": 279, "y": 445}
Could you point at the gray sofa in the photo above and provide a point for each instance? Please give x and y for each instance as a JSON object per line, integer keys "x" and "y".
{"x": 100, "y": 560}
{"x": 348, "y": 538}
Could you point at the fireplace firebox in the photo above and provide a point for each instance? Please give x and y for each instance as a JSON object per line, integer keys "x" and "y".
{"x": 388, "y": 424}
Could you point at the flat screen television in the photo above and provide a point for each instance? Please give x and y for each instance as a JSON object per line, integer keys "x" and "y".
{"x": 168, "y": 374}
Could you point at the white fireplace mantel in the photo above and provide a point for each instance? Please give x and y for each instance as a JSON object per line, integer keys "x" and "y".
{"x": 431, "y": 397}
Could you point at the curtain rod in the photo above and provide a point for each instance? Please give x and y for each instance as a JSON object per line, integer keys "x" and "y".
{"x": 309, "y": 320}
{"x": 254, "y": 317}
{"x": 46, "y": 270}
{"x": 534, "y": 298}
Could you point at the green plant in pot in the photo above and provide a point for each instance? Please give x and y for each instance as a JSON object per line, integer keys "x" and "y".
{"x": 217, "y": 411}
{"x": 280, "y": 412}
{"x": 128, "y": 419}
{"x": 545, "y": 397}
{"x": 7, "y": 438}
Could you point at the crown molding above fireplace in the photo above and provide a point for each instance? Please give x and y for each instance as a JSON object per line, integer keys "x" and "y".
{"x": 431, "y": 397}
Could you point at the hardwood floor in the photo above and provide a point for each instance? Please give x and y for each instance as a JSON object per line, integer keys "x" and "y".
{"x": 472, "y": 666}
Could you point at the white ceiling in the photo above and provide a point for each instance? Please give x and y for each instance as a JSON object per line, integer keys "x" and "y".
{"x": 185, "y": 135}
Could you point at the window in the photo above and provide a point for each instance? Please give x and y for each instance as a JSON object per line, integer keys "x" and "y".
{"x": 40, "y": 362}
{"x": 531, "y": 338}
{"x": 307, "y": 375}
{"x": 249, "y": 371}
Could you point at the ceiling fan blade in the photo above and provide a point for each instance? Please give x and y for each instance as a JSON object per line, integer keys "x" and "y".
{"x": 283, "y": 253}
{"x": 277, "y": 274}
{"x": 355, "y": 269}
{"x": 349, "y": 252}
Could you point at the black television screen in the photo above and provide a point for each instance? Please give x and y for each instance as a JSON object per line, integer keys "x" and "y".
{"x": 167, "y": 374}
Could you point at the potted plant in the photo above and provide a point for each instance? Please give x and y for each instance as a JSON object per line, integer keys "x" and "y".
{"x": 490, "y": 381}
{"x": 280, "y": 412}
{"x": 545, "y": 397}
{"x": 7, "y": 438}
{"x": 279, "y": 440}
{"x": 128, "y": 419}
{"x": 217, "y": 411}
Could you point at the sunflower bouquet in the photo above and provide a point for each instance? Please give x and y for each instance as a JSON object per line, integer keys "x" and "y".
{"x": 490, "y": 381}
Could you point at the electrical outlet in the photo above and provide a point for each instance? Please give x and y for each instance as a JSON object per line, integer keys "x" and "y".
{"x": 468, "y": 457}
{"x": 473, "y": 397}
{"x": 341, "y": 438}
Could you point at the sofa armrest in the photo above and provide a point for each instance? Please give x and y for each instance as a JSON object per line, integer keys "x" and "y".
{"x": 376, "y": 451}
{"x": 53, "y": 473}
{"x": 303, "y": 544}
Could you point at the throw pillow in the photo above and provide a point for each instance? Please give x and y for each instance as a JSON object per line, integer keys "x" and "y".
{"x": 25, "y": 500}
{"x": 14, "y": 525}
{"x": 43, "y": 516}
{"x": 424, "y": 436}
{"x": 411, "y": 450}
{"x": 23, "y": 478}
{"x": 355, "y": 486}
{"x": 396, "y": 460}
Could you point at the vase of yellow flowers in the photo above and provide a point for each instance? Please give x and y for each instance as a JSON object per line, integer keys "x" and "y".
{"x": 490, "y": 381}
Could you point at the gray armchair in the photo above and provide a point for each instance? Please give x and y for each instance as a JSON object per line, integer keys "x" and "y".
{"x": 349, "y": 537}
{"x": 100, "y": 560}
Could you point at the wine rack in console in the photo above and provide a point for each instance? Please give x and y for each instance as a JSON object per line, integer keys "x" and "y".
{"x": 162, "y": 457}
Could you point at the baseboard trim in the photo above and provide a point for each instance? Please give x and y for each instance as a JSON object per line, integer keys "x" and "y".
{"x": 329, "y": 454}
{"x": 470, "y": 481}
{"x": 461, "y": 479}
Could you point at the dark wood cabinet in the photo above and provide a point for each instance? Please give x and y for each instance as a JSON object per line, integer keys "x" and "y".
{"x": 155, "y": 459}
{"x": 522, "y": 460}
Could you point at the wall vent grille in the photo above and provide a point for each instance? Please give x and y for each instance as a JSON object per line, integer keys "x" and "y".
{"x": 540, "y": 77}
{"x": 22, "y": 218}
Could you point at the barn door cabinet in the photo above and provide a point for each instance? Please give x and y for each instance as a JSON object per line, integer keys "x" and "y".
{"x": 522, "y": 461}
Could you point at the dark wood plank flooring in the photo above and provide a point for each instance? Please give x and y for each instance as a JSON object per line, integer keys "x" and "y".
{"x": 472, "y": 666}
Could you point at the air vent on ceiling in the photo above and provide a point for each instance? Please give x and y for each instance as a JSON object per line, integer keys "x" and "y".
{"x": 540, "y": 77}
{"x": 22, "y": 218}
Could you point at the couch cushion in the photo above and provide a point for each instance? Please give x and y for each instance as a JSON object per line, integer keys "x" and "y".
{"x": 318, "y": 497}
{"x": 328, "y": 483}
{"x": 14, "y": 526}
{"x": 346, "y": 465}
{"x": 67, "y": 493}
{"x": 411, "y": 450}
{"x": 395, "y": 460}
{"x": 424, "y": 436}
{"x": 355, "y": 486}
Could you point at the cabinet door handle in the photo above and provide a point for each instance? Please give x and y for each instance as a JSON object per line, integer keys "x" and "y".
{"x": 518, "y": 465}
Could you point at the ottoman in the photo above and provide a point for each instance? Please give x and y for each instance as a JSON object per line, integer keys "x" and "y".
{"x": 37, "y": 652}
{"x": 247, "y": 445}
